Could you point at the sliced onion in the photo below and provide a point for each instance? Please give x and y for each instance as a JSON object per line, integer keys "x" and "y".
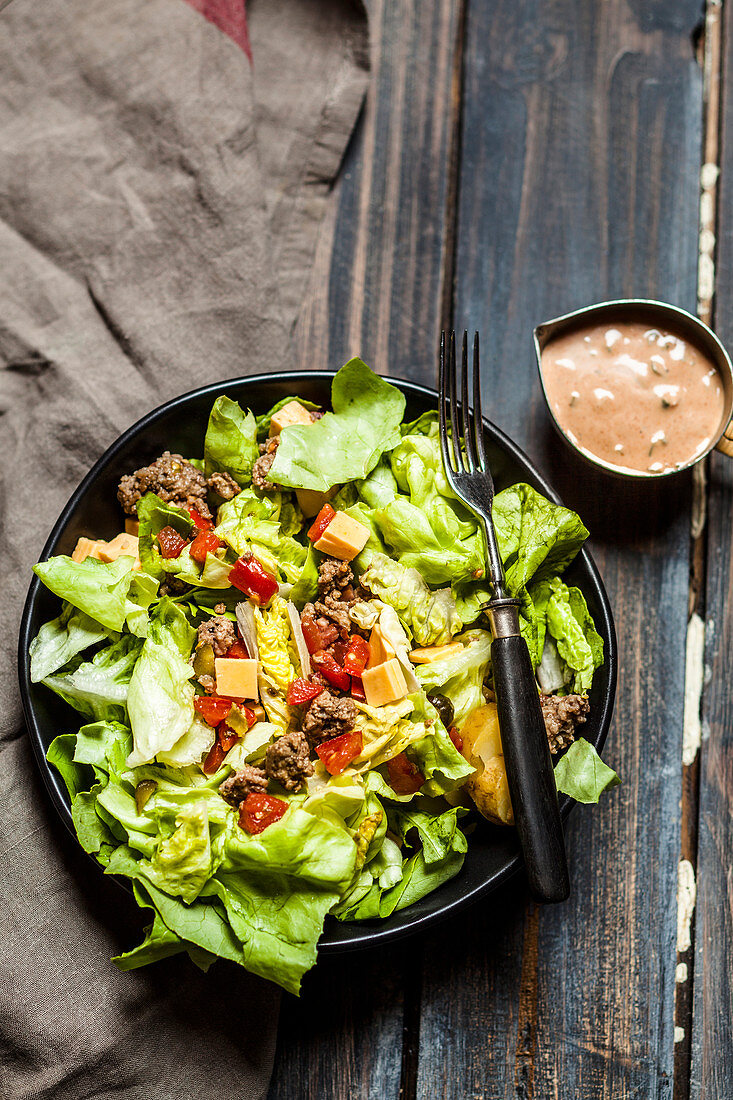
{"x": 246, "y": 623}
{"x": 299, "y": 639}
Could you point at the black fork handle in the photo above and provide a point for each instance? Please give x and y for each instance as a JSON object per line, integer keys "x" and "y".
{"x": 529, "y": 769}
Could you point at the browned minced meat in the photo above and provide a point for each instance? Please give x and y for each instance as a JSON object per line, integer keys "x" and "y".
{"x": 173, "y": 586}
{"x": 208, "y": 683}
{"x": 316, "y": 414}
{"x": 328, "y": 716}
{"x": 334, "y": 574}
{"x": 261, "y": 468}
{"x": 287, "y": 760}
{"x": 172, "y": 478}
{"x": 219, "y": 633}
{"x": 223, "y": 485}
{"x": 336, "y": 610}
{"x": 562, "y": 714}
{"x": 329, "y": 631}
{"x": 243, "y": 782}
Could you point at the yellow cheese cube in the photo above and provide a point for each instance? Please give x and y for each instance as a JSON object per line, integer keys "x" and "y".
{"x": 344, "y": 538}
{"x": 381, "y": 649}
{"x": 236, "y": 677}
{"x": 384, "y": 684}
{"x": 121, "y": 545}
{"x": 86, "y": 548}
{"x": 435, "y": 653}
{"x": 310, "y": 501}
{"x": 132, "y": 526}
{"x": 292, "y": 413}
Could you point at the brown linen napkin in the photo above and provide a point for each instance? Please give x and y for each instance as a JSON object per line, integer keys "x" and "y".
{"x": 158, "y": 212}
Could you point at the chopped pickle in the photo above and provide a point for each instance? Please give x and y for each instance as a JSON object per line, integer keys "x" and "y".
{"x": 237, "y": 720}
{"x": 143, "y": 793}
{"x": 203, "y": 661}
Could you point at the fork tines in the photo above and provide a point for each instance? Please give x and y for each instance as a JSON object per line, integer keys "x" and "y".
{"x": 471, "y": 419}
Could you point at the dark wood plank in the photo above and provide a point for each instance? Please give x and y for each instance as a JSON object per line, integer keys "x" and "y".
{"x": 375, "y": 290}
{"x": 711, "y": 1052}
{"x": 578, "y": 182}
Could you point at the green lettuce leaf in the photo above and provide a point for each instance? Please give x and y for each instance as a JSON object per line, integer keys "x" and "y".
{"x": 264, "y": 421}
{"x": 536, "y": 537}
{"x": 141, "y": 594}
{"x": 230, "y": 445}
{"x": 579, "y": 645}
{"x": 436, "y": 825}
{"x": 99, "y": 688}
{"x": 97, "y": 588}
{"x": 430, "y": 615}
{"x": 58, "y": 641}
{"x": 346, "y": 444}
{"x": 582, "y": 774}
{"x": 460, "y": 677}
{"x": 160, "y": 698}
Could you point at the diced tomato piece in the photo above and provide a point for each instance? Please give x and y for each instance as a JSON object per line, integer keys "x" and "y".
{"x": 214, "y": 759}
{"x": 206, "y": 542}
{"x": 312, "y": 634}
{"x": 170, "y": 542}
{"x": 357, "y": 689}
{"x": 260, "y": 810}
{"x": 357, "y": 656}
{"x": 321, "y": 522}
{"x": 337, "y": 753}
{"x": 302, "y": 691}
{"x": 212, "y": 708}
{"x": 404, "y": 777}
{"x": 332, "y": 671}
{"x": 226, "y": 736}
{"x": 456, "y": 738}
{"x": 238, "y": 650}
{"x": 248, "y": 576}
{"x": 202, "y": 523}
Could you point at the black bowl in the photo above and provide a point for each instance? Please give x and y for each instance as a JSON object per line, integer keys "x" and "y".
{"x": 179, "y": 426}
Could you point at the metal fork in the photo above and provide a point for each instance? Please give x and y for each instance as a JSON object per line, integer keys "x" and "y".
{"x": 523, "y": 735}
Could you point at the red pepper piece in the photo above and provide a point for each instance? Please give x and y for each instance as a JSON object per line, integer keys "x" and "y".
{"x": 312, "y": 634}
{"x": 332, "y": 671}
{"x": 212, "y": 708}
{"x": 202, "y": 523}
{"x": 357, "y": 689}
{"x": 337, "y": 753}
{"x": 404, "y": 777}
{"x": 205, "y": 543}
{"x": 248, "y": 576}
{"x": 214, "y": 759}
{"x": 302, "y": 691}
{"x": 226, "y": 736}
{"x": 238, "y": 651}
{"x": 357, "y": 656}
{"x": 456, "y": 738}
{"x": 321, "y": 522}
{"x": 260, "y": 810}
{"x": 170, "y": 542}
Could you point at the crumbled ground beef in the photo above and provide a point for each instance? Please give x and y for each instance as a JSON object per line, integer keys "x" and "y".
{"x": 223, "y": 485}
{"x": 333, "y": 609}
{"x": 172, "y": 586}
{"x": 316, "y": 414}
{"x": 261, "y": 468}
{"x": 328, "y": 716}
{"x": 208, "y": 683}
{"x": 243, "y": 782}
{"x": 287, "y": 760}
{"x": 173, "y": 479}
{"x": 219, "y": 633}
{"x": 329, "y": 632}
{"x": 334, "y": 574}
{"x": 562, "y": 715}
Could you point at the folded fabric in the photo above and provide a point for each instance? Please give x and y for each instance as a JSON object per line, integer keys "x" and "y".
{"x": 160, "y": 197}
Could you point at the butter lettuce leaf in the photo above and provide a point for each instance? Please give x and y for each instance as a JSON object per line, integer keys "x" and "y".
{"x": 97, "y": 588}
{"x": 460, "y": 677}
{"x": 58, "y": 641}
{"x": 582, "y": 774}
{"x": 347, "y": 443}
{"x": 431, "y": 616}
{"x": 99, "y": 688}
{"x": 153, "y": 515}
{"x": 230, "y": 445}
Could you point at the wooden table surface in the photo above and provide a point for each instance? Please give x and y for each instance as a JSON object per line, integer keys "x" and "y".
{"x": 516, "y": 160}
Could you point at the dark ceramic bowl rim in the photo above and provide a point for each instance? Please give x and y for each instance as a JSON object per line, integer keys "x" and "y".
{"x": 402, "y": 924}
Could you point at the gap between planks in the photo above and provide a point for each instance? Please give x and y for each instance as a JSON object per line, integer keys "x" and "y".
{"x": 709, "y": 55}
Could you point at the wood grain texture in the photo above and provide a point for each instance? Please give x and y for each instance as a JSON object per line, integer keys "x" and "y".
{"x": 578, "y": 182}
{"x": 375, "y": 291}
{"x": 711, "y": 1073}
{"x": 377, "y": 284}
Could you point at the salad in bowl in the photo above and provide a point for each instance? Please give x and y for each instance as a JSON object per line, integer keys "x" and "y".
{"x": 284, "y": 675}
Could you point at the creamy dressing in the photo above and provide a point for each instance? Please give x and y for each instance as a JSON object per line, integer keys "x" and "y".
{"x": 634, "y": 396}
